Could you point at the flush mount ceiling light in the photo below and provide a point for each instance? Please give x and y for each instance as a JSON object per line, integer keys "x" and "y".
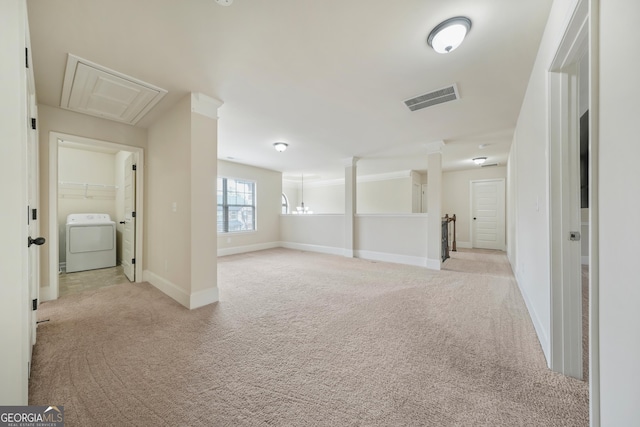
{"x": 280, "y": 146}
{"x": 479, "y": 160}
{"x": 224, "y": 2}
{"x": 449, "y": 34}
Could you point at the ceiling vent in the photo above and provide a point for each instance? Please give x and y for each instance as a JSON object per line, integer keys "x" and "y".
{"x": 98, "y": 91}
{"x": 488, "y": 165}
{"x": 436, "y": 97}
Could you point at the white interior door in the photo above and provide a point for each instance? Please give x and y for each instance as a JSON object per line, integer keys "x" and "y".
{"x": 33, "y": 212}
{"x": 129, "y": 234}
{"x": 488, "y": 213}
{"x": 424, "y": 199}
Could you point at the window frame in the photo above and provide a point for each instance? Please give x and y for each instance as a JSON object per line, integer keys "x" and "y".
{"x": 225, "y": 206}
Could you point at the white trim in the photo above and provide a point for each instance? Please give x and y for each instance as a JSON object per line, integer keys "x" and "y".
{"x": 585, "y": 260}
{"x": 394, "y": 258}
{"x": 436, "y": 146}
{"x": 565, "y": 337}
{"x": 361, "y": 178}
{"x": 537, "y": 324}
{"x": 203, "y": 297}
{"x": 247, "y": 248}
{"x": 205, "y": 105}
{"x": 313, "y": 248}
{"x": 53, "y": 242}
{"x": 434, "y": 264}
{"x": 168, "y": 288}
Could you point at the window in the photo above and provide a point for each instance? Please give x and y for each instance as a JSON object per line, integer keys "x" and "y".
{"x": 285, "y": 204}
{"x": 236, "y": 205}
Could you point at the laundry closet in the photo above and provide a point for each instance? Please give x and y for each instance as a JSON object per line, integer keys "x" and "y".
{"x": 91, "y": 208}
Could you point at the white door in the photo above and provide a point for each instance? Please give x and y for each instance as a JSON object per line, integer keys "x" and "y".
{"x": 487, "y": 213}
{"x": 424, "y": 199}
{"x": 416, "y": 199}
{"x": 33, "y": 212}
{"x": 129, "y": 234}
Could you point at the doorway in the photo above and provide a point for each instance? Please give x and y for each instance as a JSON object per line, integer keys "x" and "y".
{"x": 488, "y": 214}
{"x": 80, "y": 182}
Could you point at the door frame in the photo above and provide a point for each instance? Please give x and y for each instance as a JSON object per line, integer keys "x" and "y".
{"x": 54, "y": 244}
{"x": 580, "y": 38}
{"x": 503, "y": 210}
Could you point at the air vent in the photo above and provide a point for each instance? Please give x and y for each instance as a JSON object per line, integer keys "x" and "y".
{"x": 98, "y": 91}
{"x": 489, "y": 165}
{"x": 436, "y": 97}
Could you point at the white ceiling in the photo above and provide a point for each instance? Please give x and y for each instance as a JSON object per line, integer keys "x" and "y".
{"x": 328, "y": 77}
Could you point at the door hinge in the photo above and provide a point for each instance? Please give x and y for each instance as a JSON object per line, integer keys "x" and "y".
{"x": 26, "y": 57}
{"x": 134, "y": 167}
{"x": 133, "y": 214}
{"x": 133, "y": 260}
{"x": 33, "y": 123}
{"x": 34, "y": 304}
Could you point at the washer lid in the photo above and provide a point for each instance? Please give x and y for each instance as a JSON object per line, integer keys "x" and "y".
{"x": 88, "y": 218}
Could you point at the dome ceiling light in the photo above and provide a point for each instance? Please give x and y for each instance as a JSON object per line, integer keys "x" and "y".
{"x": 449, "y": 34}
{"x": 280, "y": 146}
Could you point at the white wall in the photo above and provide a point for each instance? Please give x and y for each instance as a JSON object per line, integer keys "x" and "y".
{"x": 385, "y": 195}
{"x": 392, "y": 238}
{"x": 180, "y": 219}
{"x": 82, "y": 166}
{"x": 456, "y": 197}
{"x": 268, "y": 209}
{"x": 618, "y": 208}
{"x": 319, "y": 233}
{"x": 324, "y": 198}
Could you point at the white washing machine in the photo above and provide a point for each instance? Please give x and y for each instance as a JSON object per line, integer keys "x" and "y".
{"x": 91, "y": 242}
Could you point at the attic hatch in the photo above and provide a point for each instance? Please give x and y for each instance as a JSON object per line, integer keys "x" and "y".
{"x": 92, "y": 89}
{"x": 449, "y": 93}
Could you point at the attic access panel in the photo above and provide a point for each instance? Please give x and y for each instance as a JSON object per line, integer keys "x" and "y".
{"x": 92, "y": 89}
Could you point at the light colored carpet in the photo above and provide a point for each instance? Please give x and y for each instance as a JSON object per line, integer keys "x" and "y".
{"x": 304, "y": 339}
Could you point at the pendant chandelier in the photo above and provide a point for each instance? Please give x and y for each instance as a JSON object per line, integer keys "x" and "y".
{"x": 302, "y": 209}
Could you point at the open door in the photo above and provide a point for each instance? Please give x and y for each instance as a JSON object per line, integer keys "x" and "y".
{"x": 33, "y": 228}
{"x": 129, "y": 234}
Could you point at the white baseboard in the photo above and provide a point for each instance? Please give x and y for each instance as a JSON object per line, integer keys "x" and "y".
{"x": 190, "y": 301}
{"x": 203, "y": 297}
{"x": 167, "y": 287}
{"x": 313, "y": 248}
{"x": 248, "y": 248}
{"x": 434, "y": 264}
{"x": 585, "y": 260}
{"x": 395, "y": 258}
{"x": 537, "y": 325}
{"x": 62, "y": 266}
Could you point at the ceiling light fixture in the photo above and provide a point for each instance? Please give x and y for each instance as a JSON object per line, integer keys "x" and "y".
{"x": 280, "y": 146}
{"x": 224, "y": 2}
{"x": 449, "y": 34}
{"x": 479, "y": 160}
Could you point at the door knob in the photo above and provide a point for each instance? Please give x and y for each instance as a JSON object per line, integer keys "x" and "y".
{"x": 123, "y": 222}
{"x": 37, "y": 241}
{"x": 474, "y": 218}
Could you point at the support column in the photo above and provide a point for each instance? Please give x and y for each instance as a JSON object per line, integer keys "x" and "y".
{"x": 204, "y": 171}
{"x": 434, "y": 201}
{"x": 350, "y": 206}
